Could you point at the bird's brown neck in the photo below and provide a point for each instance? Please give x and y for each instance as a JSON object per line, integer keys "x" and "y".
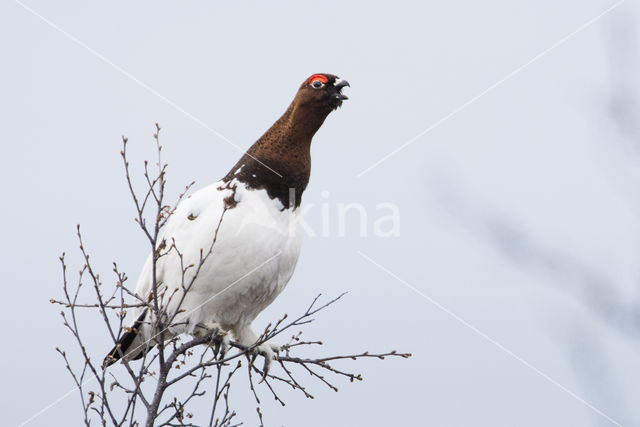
{"x": 280, "y": 161}
{"x": 302, "y": 122}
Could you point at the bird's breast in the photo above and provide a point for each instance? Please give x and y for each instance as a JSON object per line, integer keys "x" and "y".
{"x": 254, "y": 257}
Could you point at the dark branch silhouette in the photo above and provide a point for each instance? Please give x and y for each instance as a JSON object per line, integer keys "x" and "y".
{"x": 203, "y": 366}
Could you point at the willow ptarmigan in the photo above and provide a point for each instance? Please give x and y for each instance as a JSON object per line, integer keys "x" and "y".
{"x": 258, "y": 239}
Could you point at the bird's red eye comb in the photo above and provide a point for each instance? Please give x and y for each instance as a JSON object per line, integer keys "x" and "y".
{"x": 319, "y": 77}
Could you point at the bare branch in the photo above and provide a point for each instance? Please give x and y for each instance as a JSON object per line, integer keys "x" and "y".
{"x": 188, "y": 367}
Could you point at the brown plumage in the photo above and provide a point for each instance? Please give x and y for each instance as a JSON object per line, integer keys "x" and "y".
{"x": 278, "y": 164}
{"x": 281, "y": 159}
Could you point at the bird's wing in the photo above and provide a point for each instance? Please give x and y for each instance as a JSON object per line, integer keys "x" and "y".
{"x": 188, "y": 233}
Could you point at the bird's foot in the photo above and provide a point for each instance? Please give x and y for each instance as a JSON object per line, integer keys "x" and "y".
{"x": 275, "y": 348}
{"x": 269, "y": 352}
{"x": 219, "y": 338}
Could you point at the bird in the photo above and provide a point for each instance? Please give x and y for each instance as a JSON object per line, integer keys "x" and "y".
{"x": 246, "y": 227}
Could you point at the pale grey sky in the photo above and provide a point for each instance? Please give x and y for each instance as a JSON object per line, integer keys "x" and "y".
{"x": 519, "y": 213}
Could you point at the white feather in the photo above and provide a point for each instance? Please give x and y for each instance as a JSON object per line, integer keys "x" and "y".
{"x": 252, "y": 260}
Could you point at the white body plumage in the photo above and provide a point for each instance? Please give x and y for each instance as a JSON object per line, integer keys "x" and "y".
{"x": 258, "y": 239}
{"x": 254, "y": 256}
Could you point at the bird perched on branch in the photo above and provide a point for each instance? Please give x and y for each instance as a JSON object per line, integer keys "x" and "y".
{"x": 230, "y": 248}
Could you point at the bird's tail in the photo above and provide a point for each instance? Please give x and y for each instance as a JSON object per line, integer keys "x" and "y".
{"x": 130, "y": 345}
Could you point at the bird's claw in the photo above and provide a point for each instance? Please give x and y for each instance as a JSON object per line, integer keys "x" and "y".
{"x": 219, "y": 338}
{"x": 220, "y": 344}
{"x": 265, "y": 370}
{"x": 275, "y": 348}
{"x": 268, "y": 351}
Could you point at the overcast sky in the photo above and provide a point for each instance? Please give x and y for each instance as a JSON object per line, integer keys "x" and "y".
{"x": 514, "y": 278}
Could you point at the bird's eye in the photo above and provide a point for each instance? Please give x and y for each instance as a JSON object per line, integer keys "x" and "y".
{"x": 318, "y": 80}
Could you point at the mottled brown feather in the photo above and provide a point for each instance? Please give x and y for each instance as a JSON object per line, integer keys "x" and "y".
{"x": 286, "y": 147}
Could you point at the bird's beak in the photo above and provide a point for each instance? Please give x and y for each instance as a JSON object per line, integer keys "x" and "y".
{"x": 339, "y": 85}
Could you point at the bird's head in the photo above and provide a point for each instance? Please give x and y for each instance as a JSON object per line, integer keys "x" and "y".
{"x": 322, "y": 91}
